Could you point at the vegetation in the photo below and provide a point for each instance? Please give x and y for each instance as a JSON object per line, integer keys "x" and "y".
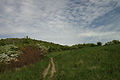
{"x": 28, "y": 41}
{"x": 31, "y": 54}
{"x": 98, "y": 63}
{"x": 114, "y": 42}
{"x": 32, "y": 72}
{"x": 99, "y": 44}
{"x": 8, "y": 53}
{"x": 26, "y": 59}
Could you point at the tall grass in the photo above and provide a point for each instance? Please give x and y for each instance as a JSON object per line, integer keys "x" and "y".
{"x": 98, "y": 63}
{"x": 90, "y": 63}
{"x": 33, "y": 72}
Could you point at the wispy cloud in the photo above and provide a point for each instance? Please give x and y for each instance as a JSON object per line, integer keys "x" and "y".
{"x": 61, "y": 21}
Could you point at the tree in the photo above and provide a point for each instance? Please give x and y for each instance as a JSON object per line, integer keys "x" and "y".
{"x": 27, "y": 37}
{"x": 2, "y": 43}
{"x": 99, "y": 44}
{"x": 115, "y": 41}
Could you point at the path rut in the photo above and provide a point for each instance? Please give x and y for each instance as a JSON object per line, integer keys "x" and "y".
{"x": 48, "y": 68}
{"x": 46, "y": 71}
{"x": 53, "y": 68}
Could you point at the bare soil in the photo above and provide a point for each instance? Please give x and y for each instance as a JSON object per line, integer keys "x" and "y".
{"x": 46, "y": 71}
{"x": 48, "y": 68}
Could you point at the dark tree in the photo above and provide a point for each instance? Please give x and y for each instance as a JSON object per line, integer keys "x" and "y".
{"x": 2, "y": 43}
{"x": 115, "y": 41}
{"x": 99, "y": 44}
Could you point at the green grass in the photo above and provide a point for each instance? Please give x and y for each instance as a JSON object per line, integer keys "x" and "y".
{"x": 90, "y": 63}
{"x": 98, "y": 63}
{"x": 33, "y": 72}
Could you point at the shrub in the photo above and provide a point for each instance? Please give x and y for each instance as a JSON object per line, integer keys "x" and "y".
{"x": 113, "y": 42}
{"x": 43, "y": 48}
{"x": 31, "y": 54}
{"x": 116, "y": 42}
{"x": 8, "y": 53}
{"x": 2, "y": 43}
{"x": 99, "y": 44}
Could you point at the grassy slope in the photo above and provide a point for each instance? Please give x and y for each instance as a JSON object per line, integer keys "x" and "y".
{"x": 98, "y": 63}
{"x": 21, "y": 42}
{"x": 33, "y": 72}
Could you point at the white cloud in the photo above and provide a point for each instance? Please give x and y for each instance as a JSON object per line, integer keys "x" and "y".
{"x": 60, "y": 21}
{"x": 89, "y": 11}
{"x": 97, "y": 34}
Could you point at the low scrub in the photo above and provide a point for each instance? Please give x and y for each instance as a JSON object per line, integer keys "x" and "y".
{"x": 11, "y": 57}
{"x": 31, "y": 54}
{"x": 8, "y": 53}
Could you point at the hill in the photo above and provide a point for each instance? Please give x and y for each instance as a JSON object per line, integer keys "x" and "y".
{"x": 21, "y": 42}
{"x": 18, "y": 52}
{"x": 93, "y": 63}
{"x": 90, "y": 63}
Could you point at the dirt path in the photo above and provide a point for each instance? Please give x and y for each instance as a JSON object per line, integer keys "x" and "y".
{"x": 47, "y": 69}
{"x": 53, "y": 68}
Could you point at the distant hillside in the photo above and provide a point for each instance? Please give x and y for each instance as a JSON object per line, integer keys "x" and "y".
{"x": 21, "y": 42}
{"x": 49, "y": 46}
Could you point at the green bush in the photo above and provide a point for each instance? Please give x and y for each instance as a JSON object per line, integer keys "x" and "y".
{"x": 99, "y": 44}
{"x": 8, "y": 53}
{"x": 2, "y": 43}
{"x": 114, "y": 42}
{"x": 31, "y": 54}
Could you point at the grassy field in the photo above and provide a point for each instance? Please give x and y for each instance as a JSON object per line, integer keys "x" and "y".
{"x": 33, "y": 72}
{"x": 98, "y": 63}
{"x": 90, "y": 63}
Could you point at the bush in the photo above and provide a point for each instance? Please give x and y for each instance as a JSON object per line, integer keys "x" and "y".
{"x": 8, "y": 53}
{"x": 116, "y": 42}
{"x": 2, "y": 43}
{"x": 31, "y": 54}
{"x": 99, "y": 44}
{"x": 113, "y": 42}
{"x": 43, "y": 48}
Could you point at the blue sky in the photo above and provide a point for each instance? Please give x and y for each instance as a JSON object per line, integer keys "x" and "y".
{"x": 61, "y": 21}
